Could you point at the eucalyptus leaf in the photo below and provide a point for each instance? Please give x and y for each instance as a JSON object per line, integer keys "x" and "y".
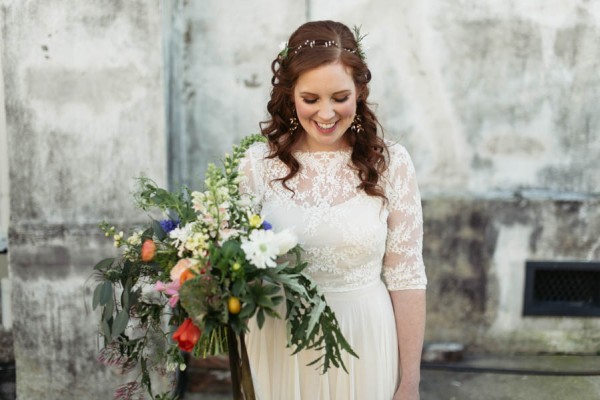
{"x": 108, "y": 309}
{"x": 97, "y": 294}
{"x": 104, "y": 264}
{"x": 106, "y": 293}
{"x": 125, "y": 299}
{"x": 120, "y": 323}
{"x": 106, "y": 330}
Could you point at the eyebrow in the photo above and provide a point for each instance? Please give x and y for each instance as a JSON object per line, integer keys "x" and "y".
{"x": 347, "y": 91}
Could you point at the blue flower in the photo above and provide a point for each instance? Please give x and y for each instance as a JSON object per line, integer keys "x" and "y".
{"x": 266, "y": 226}
{"x": 168, "y": 225}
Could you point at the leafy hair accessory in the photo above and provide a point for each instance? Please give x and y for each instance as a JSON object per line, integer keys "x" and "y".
{"x": 359, "y": 37}
{"x": 284, "y": 50}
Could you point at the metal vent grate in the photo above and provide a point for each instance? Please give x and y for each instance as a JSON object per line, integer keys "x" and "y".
{"x": 562, "y": 288}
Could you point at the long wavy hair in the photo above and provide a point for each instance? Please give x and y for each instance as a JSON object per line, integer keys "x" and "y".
{"x": 369, "y": 152}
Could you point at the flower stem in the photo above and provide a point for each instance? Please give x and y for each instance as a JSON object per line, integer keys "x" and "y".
{"x": 234, "y": 365}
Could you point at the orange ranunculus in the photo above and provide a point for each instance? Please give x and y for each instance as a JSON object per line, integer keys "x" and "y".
{"x": 148, "y": 250}
{"x": 186, "y": 275}
{"x": 179, "y": 268}
{"x": 187, "y": 335}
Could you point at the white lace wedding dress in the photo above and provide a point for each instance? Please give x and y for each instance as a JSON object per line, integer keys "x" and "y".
{"x": 353, "y": 243}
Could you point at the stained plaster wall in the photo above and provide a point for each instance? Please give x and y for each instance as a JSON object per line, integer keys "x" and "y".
{"x": 85, "y": 114}
{"x": 495, "y": 100}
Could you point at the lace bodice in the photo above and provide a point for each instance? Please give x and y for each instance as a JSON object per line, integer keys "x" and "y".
{"x": 350, "y": 239}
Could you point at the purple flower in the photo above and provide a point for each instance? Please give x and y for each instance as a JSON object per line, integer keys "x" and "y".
{"x": 266, "y": 226}
{"x": 168, "y": 225}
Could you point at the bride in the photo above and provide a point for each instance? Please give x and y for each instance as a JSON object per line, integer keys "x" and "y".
{"x": 352, "y": 199}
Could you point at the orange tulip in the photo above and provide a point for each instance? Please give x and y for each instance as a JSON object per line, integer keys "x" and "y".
{"x": 186, "y": 275}
{"x": 148, "y": 250}
{"x": 187, "y": 335}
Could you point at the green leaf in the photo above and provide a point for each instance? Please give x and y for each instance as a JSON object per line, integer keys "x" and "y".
{"x": 120, "y": 323}
{"x": 260, "y": 318}
{"x": 247, "y": 311}
{"x": 315, "y": 315}
{"x": 104, "y": 264}
{"x": 97, "y": 294}
{"x": 106, "y": 292}
{"x": 265, "y": 301}
{"x": 108, "y": 309}
{"x": 106, "y": 330}
{"x": 125, "y": 299}
{"x": 125, "y": 272}
{"x": 158, "y": 230}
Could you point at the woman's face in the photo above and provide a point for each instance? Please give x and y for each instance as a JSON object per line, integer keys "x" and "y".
{"x": 325, "y": 100}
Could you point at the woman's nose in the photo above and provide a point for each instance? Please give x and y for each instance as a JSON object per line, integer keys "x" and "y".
{"x": 326, "y": 112}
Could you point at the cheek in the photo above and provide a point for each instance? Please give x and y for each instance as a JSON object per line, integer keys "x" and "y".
{"x": 347, "y": 109}
{"x": 303, "y": 110}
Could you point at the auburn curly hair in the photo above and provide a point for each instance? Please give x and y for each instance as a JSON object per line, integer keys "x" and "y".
{"x": 369, "y": 152}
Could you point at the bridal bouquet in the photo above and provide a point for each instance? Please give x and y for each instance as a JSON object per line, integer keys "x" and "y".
{"x": 191, "y": 279}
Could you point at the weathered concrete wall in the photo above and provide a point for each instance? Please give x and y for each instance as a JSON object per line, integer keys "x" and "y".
{"x": 496, "y": 103}
{"x": 85, "y": 114}
{"x": 219, "y": 76}
{"x": 476, "y": 258}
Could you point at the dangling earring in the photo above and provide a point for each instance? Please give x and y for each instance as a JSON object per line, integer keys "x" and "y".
{"x": 293, "y": 124}
{"x": 356, "y": 126}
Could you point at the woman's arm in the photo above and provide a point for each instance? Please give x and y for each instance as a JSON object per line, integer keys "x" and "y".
{"x": 409, "y": 312}
{"x": 404, "y": 270}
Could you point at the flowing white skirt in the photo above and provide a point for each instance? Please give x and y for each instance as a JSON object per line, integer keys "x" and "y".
{"x": 367, "y": 321}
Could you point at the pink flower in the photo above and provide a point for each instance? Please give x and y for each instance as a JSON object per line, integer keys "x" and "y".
{"x": 171, "y": 289}
{"x": 173, "y": 300}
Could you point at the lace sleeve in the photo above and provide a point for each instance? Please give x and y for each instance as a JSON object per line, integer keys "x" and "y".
{"x": 403, "y": 266}
{"x": 251, "y": 176}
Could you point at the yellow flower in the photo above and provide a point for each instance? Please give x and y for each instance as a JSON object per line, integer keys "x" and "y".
{"x": 255, "y": 221}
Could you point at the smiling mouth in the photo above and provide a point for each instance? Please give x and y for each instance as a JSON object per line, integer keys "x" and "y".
{"x": 326, "y": 128}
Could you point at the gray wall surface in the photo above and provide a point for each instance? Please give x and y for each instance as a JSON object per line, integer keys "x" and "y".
{"x": 494, "y": 100}
{"x": 85, "y": 115}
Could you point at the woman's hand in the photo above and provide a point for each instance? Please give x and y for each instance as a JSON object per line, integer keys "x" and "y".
{"x": 407, "y": 391}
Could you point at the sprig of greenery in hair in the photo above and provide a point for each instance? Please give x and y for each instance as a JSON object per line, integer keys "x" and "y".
{"x": 284, "y": 50}
{"x": 358, "y": 36}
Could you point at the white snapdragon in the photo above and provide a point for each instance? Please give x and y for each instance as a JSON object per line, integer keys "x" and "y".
{"x": 135, "y": 239}
{"x": 199, "y": 202}
{"x": 118, "y": 239}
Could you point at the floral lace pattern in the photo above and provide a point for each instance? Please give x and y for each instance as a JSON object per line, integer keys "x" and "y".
{"x": 350, "y": 239}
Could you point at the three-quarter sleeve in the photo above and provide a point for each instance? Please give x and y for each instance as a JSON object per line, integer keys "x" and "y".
{"x": 403, "y": 266}
{"x": 250, "y": 170}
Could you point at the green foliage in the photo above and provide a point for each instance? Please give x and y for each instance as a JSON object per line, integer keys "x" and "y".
{"x": 211, "y": 229}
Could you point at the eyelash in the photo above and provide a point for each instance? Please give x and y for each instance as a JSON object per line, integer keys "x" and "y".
{"x": 313, "y": 101}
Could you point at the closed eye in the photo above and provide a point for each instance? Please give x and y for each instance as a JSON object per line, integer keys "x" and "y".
{"x": 342, "y": 100}
{"x": 310, "y": 101}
